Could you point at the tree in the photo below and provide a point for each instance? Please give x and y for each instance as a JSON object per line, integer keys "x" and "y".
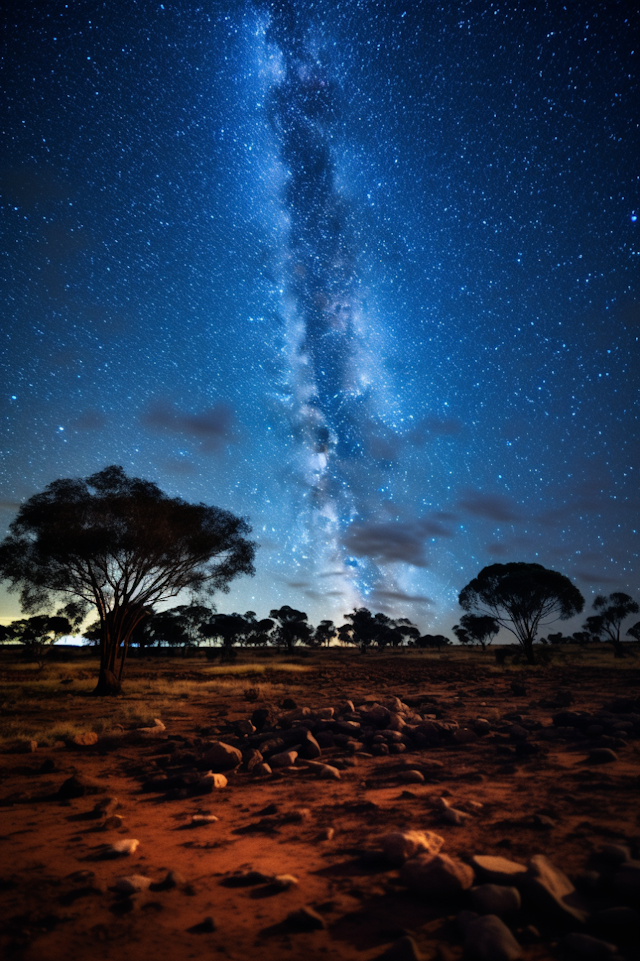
{"x": 293, "y": 626}
{"x": 519, "y": 596}
{"x": 120, "y": 545}
{"x": 227, "y": 628}
{"x": 612, "y": 611}
{"x": 326, "y": 631}
{"x": 433, "y": 640}
{"x": 634, "y": 631}
{"x": 476, "y": 629}
{"x": 39, "y": 632}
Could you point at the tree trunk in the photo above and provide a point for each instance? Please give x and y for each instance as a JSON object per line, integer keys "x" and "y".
{"x": 108, "y": 684}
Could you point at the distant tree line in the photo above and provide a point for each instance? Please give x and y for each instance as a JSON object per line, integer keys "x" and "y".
{"x": 120, "y": 547}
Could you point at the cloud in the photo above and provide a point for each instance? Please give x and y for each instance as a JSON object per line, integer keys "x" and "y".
{"x": 495, "y": 507}
{"x": 392, "y": 541}
{"x": 212, "y": 427}
{"x": 321, "y": 595}
{"x": 431, "y": 427}
{"x": 594, "y": 577}
{"x": 402, "y": 596}
{"x": 90, "y": 420}
{"x": 297, "y": 584}
{"x": 10, "y": 506}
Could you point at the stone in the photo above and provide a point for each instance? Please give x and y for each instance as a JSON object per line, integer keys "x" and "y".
{"x": 498, "y": 870}
{"x": 284, "y": 881}
{"x": 252, "y": 758}
{"x": 261, "y": 770}
{"x": 173, "y": 879}
{"x": 436, "y": 875}
{"x": 613, "y": 853}
{"x": 495, "y": 899}
{"x": 399, "y": 846}
{"x": 411, "y": 777}
{"x": 602, "y": 755}
{"x": 405, "y": 949}
{"x": 464, "y": 736}
{"x": 308, "y": 747}
{"x": 245, "y": 727}
{"x": 113, "y": 823}
{"x": 306, "y": 919}
{"x": 584, "y": 946}
{"x": 325, "y": 771}
{"x": 106, "y": 807}
{"x": 222, "y": 757}
{"x": 87, "y": 739}
{"x": 482, "y": 727}
{"x": 21, "y": 746}
{"x": 548, "y": 889}
{"x": 453, "y": 816}
{"x": 199, "y": 820}
{"x": 133, "y": 884}
{"x": 489, "y": 939}
{"x": 79, "y": 785}
{"x": 284, "y": 759}
{"x": 124, "y": 847}
{"x": 210, "y": 782}
{"x": 327, "y": 834}
{"x": 208, "y": 926}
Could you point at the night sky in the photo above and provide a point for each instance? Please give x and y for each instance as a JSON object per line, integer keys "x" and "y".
{"x": 363, "y": 272}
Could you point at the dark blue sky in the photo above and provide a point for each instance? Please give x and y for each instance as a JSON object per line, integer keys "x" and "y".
{"x": 363, "y": 272}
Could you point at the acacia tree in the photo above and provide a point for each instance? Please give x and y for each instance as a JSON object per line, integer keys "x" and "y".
{"x": 612, "y": 611}
{"x": 519, "y": 597}
{"x": 39, "y": 632}
{"x": 120, "y": 545}
{"x": 292, "y": 626}
{"x": 476, "y": 629}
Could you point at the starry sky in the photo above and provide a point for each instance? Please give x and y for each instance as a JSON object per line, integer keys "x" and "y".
{"x": 363, "y": 272}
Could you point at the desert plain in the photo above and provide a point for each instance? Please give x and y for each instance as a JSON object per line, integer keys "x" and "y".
{"x": 322, "y": 805}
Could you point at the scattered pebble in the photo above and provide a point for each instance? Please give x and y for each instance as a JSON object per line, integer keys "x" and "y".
{"x": 133, "y": 884}
{"x": 124, "y": 847}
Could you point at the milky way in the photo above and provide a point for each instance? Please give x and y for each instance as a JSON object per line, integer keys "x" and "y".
{"x": 363, "y": 272}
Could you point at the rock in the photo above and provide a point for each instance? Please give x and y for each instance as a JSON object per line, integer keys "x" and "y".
{"x": 284, "y": 759}
{"x": 613, "y": 853}
{"x": 325, "y": 771}
{"x": 199, "y": 820}
{"x": 405, "y": 949}
{"x": 464, "y": 736}
{"x": 453, "y": 816}
{"x": 157, "y": 729}
{"x": 411, "y": 777}
{"x": 245, "y": 727}
{"x": 308, "y": 747}
{"x": 222, "y": 757}
{"x": 284, "y": 881}
{"x": 260, "y": 717}
{"x": 208, "y": 926}
{"x": 113, "y": 823}
{"x": 306, "y": 919}
{"x": 133, "y": 884}
{"x": 584, "y": 946}
{"x": 123, "y": 848}
{"x": 436, "y": 875}
{"x": 252, "y": 759}
{"x": 602, "y": 755}
{"x": 209, "y": 782}
{"x": 495, "y": 899}
{"x": 498, "y": 870}
{"x": 78, "y": 786}
{"x": 106, "y": 807}
{"x": 173, "y": 879}
{"x": 489, "y": 939}
{"x": 261, "y": 770}
{"x": 482, "y": 727}
{"x": 87, "y": 739}
{"x": 327, "y": 834}
{"x": 399, "y": 846}
{"x": 586, "y": 881}
{"x": 546, "y": 888}
{"x": 378, "y": 716}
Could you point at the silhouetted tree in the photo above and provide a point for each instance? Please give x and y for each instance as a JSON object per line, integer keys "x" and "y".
{"x": 364, "y": 629}
{"x": 519, "y": 596}
{"x": 39, "y": 632}
{"x": 476, "y": 629}
{"x": 433, "y": 640}
{"x": 292, "y": 627}
{"x": 634, "y": 631}
{"x": 607, "y": 623}
{"x": 326, "y": 631}
{"x": 121, "y": 545}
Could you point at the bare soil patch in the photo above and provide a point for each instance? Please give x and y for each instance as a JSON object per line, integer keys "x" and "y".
{"x": 525, "y": 780}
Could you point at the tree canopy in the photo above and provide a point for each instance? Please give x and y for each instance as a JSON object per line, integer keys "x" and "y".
{"x": 611, "y": 610}
{"x": 520, "y": 596}
{"x": 292, "y": 626}
{"x": 120, "y": 545}
{"x": 476, "y": 629}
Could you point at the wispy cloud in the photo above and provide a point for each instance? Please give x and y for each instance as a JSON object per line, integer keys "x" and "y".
{"x": 212, "y": 427}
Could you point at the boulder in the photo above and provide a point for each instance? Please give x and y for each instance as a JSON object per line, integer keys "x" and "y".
{"x": 78, "y": 786}
{"x": 306, "y": 919}
{"x": 209, "y": 782}
{"x": 222, "y": 757}
{"x": 399, "y": 846}
{"x": 405, "y": 949}
{"x": 579, "y": 945}
{"x": 132, "y": 884}
{"x": 602, "y": 755}
{"x": 546, "y": 888}
{"x": 495, "y": 899}
{"x": 436, "y": 875}
{"x": 87, "y": 739}
{"x": 284, "y": 759}
{"x": 489, "y": 939}
{"x": 498, "y": 870}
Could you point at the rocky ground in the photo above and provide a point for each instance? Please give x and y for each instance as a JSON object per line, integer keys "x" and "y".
{"x": 389, "y": 807}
